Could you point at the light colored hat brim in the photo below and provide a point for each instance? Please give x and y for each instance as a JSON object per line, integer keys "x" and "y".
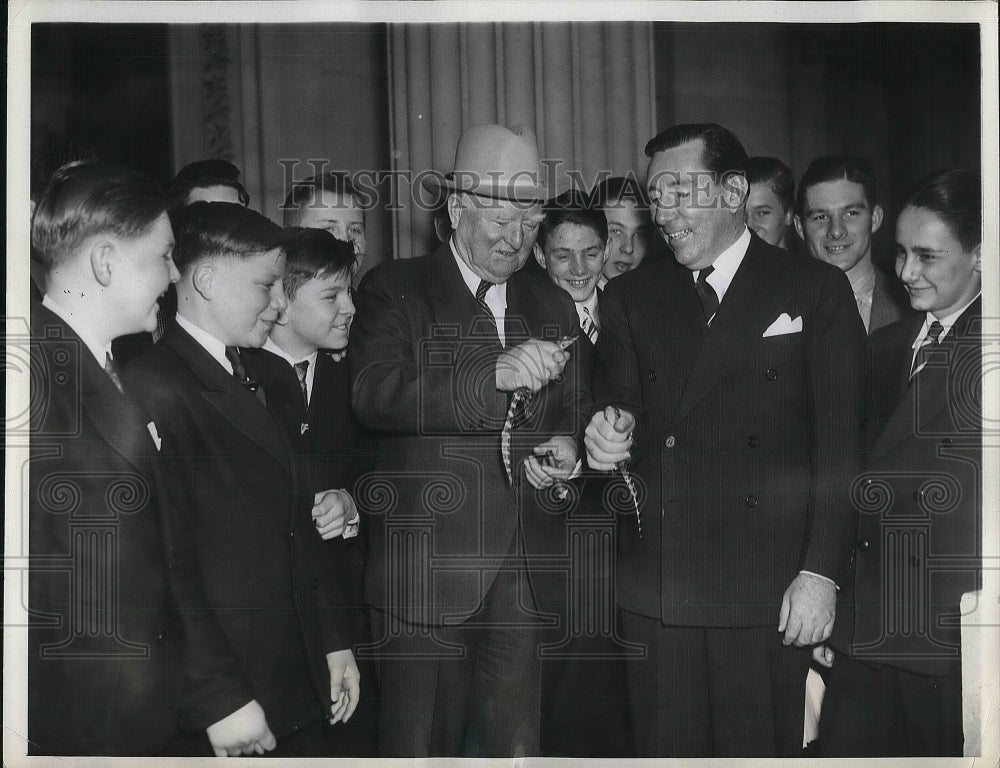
{"x": 524, "y": 191}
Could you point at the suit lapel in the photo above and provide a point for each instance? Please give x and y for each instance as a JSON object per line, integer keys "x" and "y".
{"x": 118, "y": 418}
{"x": 927, "y": 395}
{"x": 236, "y": 405}
{"x": 749, "y": 306}
{"x": 451, "y": 303}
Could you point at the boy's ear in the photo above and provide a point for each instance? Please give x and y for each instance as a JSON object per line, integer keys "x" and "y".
{"x": 798, "y": 227}
{"x": 203, "y": 279}
{"x": 102, "y": 252}
{"x": 539, "y": 256}
{"x": 877, "y": 215}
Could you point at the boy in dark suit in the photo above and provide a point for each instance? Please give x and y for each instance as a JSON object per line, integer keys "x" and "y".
{"x": 268, "y": 661}
{"x": 313, "y": 400}
{"x": 572, "y": 247}
{"x": 896, "y": 682}
{"x": 103, "y": 651}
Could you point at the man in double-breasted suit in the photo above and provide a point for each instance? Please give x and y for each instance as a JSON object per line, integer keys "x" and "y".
{"x": 267, "y": 665}
{"x": 896, "y": 681}
{"x": 104, "y": 648}
{"x": 444, "y": 350}
{"x": 735, "y": 369}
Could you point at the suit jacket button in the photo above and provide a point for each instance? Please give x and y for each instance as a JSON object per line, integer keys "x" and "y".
{"x": 670, "y": 442}
{"x": 771, "y": 374}
{"x": 751, "y": 500}
{"x": 863, "y": 545}
{"x": 752, "y": 441}
{"x": 159, "y": 637}
{"x": 651, "y": 375}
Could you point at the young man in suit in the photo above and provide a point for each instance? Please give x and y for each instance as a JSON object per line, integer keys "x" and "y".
{"x": 459, "y": 363}
{"x": 896, "y": 682}
{"x": 104, "y": 651}
{"x": 837, "y": 214}
{"x": 572, "y": 247}
{"x": 313, "y": 400}
{"x": 731, "y": 376}
{"x": 268, "y": 664}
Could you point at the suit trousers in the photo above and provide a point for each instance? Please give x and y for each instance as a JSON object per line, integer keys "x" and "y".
{"x": 715, "y": 691}
{"x": 874, "y": 710}
{"x": 470, "y": 690}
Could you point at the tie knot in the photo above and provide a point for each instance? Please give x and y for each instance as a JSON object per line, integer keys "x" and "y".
{"x": 934, "y": 332}
{"x": 703, "y": 274}
{"x": 301, "y": 368}
{"x": 233, "y": 356}
{"x": 484, "y": 286}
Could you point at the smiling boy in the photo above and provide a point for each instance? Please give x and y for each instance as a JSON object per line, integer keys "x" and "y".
{"x": 268, "y": 663}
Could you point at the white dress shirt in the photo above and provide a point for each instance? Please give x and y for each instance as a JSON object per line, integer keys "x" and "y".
{"x": 726, "y": 264}
{"x": 947, "y": 323}
{"x": 496, "y": 296}
{"x": 207, "y": 341}
{"x": 270, "y": 346}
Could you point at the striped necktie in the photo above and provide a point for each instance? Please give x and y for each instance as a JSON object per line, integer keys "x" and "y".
{"x": 484, "y": 286}
{"x": 589, "y": 325}
{"x": 926, "y": 348}
{"x": 301, "y": 369}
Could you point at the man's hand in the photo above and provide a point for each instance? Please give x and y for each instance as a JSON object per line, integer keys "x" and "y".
{"x": 823, "y": 654}
{"x": 345, "y": 685}
{"x": 554, "y": 461}
{"x": 807, "y": 610}
{"x": 532, "y": 364}
{"x": 608, "y": 438}
{"x": 332, "y": 511}
{"x": 244, "y": 732}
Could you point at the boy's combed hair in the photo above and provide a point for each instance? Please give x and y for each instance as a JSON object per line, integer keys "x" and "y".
{"x": 304, "y": 193}
{"x": 956, "y": 197}
{"x": 209, "y": 230}
{"x": 312, "y": 253}
{"x": 777, "y": 175}
{"x": 834, "y": 168}
{"x": 87, "y": 198}
{"x": 612, "y": 192}
{"x": 207, "y": 173}
{"x": 572, "y": 207}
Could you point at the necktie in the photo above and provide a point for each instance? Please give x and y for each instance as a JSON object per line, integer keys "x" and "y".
{"x": 589, "y": 325}
{"x": 240, "y": 374}
{"x": 111, "y": 368}
{"x": 706, "y": 294}
{"x": 518, "y": 402}
{"x": 926, "y": 348}
{"x": 484, "y": 286}
{"x": 301, "y": 368}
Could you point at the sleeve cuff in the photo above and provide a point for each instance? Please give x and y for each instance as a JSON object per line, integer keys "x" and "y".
{"x": 821, "y": 576}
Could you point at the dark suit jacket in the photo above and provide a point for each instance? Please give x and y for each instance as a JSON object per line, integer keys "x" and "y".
{"x": 104, "y": 656}
{"x": 246, "y": 563}
{"x": 889, "y": 302}
{"x": 919, "y": 498}
{"x": 332, "y": 449}
{"x": 745, "y": 444}
{"x": 439, "y": 506}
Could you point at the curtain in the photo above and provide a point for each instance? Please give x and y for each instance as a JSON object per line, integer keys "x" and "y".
{"x": 586, "y": 90}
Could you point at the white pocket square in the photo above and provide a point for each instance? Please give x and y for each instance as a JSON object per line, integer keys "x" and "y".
{"x": 153, "y": 434}
{"x": 784, "y": 325}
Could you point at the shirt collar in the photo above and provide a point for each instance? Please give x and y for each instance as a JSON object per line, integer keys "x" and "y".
{"x": 471, "y": 279}
{"x": 212, "y": 345}
{"x": 947, "y": 322}
{"x": 862, "y": 278}
{"x": 270, "y": 346}
{"x": 726, "y": 264}
{"x": 98, "y": 350}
